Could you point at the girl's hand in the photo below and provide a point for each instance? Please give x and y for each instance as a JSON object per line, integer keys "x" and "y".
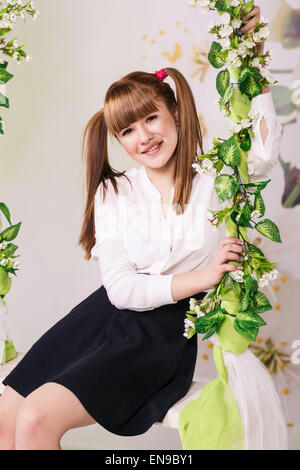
{"x": 230, "y": 249}
{"x": 254, "y": 17}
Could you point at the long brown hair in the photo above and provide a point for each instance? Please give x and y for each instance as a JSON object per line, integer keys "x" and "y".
{"x": 128, "y": 100}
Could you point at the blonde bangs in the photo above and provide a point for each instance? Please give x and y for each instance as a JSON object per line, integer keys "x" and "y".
{"x": 127, "y": 104}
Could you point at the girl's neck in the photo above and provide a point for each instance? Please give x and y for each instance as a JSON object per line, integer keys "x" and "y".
{"x": 162, "y": 178}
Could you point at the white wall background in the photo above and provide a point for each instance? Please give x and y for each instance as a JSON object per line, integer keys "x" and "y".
{"x": 78, "y": 49}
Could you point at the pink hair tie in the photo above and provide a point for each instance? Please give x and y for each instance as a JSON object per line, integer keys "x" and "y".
{"x": 161, "y": 74}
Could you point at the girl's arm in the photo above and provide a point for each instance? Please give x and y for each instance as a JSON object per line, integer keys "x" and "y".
{"x": 126, "y": 288}
{"x": 265, "y": 145}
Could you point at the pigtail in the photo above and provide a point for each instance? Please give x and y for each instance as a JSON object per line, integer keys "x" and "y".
{"x": 98, "y": 169}
{"x": 189, "y": 136}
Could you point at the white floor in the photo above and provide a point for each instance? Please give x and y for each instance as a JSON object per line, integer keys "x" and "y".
{"x": 96, "y": 438}
{"x": 157, "y": 438}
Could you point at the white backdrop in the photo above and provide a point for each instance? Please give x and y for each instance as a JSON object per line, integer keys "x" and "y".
{"x": 79, "y": 49}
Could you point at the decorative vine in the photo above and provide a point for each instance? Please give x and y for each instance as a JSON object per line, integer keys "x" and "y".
{"x": 237, "y": 295}
{"x": 9, "y": 11}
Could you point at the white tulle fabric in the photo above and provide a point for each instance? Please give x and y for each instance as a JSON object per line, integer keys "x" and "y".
{"x": 259, "y": 405}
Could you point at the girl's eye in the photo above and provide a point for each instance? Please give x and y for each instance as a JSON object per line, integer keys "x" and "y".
{"x": 126, "y": 132}
{"x": 152, "y": 117}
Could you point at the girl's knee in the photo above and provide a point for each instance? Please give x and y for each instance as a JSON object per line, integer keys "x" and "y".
{"x": 30, "y": 426}
{"x": 10, "y": 401}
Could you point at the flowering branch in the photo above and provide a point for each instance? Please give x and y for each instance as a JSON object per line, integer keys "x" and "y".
{"x": 9, "y": 11}
{"x": 241, "y": 52}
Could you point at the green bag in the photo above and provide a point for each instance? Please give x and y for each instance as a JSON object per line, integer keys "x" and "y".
{"x": 213, "y": 421}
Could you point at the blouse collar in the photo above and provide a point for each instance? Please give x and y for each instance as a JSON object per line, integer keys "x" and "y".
{"x": 150, "y": 186}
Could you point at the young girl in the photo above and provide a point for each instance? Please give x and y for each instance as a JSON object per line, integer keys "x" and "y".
{"x": 120, "y": 357}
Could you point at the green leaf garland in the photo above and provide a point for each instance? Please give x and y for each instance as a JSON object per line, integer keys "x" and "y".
{"x": 237, "y": 295}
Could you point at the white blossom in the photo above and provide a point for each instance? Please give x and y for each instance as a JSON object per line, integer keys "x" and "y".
{"x": 16, "y": 264}
{"x": 256, "y": 213}
{"x": 237, "y": 276}
{"x": 256, "y": 63}
{"x": 273, "y": 274}
{"x": 249, "y": 43}
{"x": 225, "y": 19}
{"x": 264, "y": 280}
{"x": 264, "y": 32}
{"x": 206, "y": 163}
{"x": 234, "y": 3}
{"x": 253, "y": 115}
{"x": 225, "y": 43}
{"x": 225, "y": 31}
{"x": 295, "y": 98}
{"x": 236, "y": 23}
{"x": 238, "y": 217}
{"x": 205, "y": 171}
{"x": 242, "y": 50}
{"x": 4, "y": 262}
{"x": 3, "y": 245}
{"x": 192, "y": 303}
{"x": 235, "y": 127}
{"x": 245, "y": 123}
{"x": 189, "y": 323}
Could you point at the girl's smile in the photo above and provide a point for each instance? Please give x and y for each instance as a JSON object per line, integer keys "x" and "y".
{"x": 154, "y": 136}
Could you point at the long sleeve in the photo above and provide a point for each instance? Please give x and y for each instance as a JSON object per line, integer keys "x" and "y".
{"x": 126, "y": 288}
{"x": 263, "y": 156}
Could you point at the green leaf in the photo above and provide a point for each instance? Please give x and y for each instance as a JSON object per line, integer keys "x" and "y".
{"x": 246, "y": 141}
{"x": 245, "y": 214}
{"x": 4, "y": 65}
{"x": 215, "y": 55}
{"x": 223, "y": 5}
{"x": 259, "y": 186}
{"x": 237, "y": 289}
{"x": 259, "y": 204}
{"x": 263, "y": 303}
{"x": 251, "y": 87}
{"x": 4, "y": 101}
{"x": 269, "y": 229}
{"x": 205, "y": 323}
{"x": 10, "y": 249}
{"x": 226, "y": 96}
{"x": 223, "y": 81}
{"x": 5, "y": 76}
{"x": 248, "y": 71}
{"x": 4, "y": 209}
{"x": 229, "y": 152}
{"x": 255, "y": 250}
{"x": 4, "y": 31}
{"x": 249, "y": 319}
{"x": 5, "y": 282}
{"x": 247, "y": 8}
{"x": 248, "y": 281}
{"x": 11, "y": 232}
{"x": 250, "y": 332}
{"x": 226, "y": 187}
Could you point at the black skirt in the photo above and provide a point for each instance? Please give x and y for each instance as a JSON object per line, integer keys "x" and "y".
{"x": 127, "y": 368}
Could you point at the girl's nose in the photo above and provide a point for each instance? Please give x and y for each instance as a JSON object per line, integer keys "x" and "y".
{"x": 145, "y": 135}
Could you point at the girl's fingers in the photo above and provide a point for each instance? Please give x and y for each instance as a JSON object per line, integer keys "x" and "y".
{"x": 230, "y": 257}
{"x": 255, "y": 15}
{"x": 255, "y": 10}
{"x": 227, "y": 240}
{"x": 230, "y": 267}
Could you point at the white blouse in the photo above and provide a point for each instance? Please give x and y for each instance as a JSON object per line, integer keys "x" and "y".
{"x": 139, "y": 249}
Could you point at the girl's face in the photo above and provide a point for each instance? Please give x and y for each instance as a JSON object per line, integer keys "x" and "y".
{"x": 152, "y": 140}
